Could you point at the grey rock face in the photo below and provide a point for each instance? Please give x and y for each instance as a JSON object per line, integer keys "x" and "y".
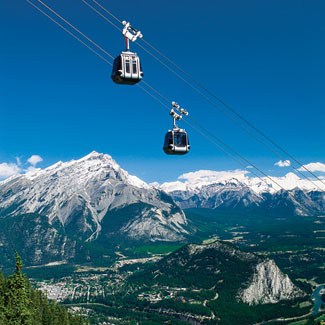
{"x": 36, "y": 240}
{"x": 269, "y": 285}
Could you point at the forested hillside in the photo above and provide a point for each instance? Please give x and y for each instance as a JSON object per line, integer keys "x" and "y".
{"x": 20, "y": 304}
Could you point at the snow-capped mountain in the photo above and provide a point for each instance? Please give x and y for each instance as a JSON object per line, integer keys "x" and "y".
{"x": 210, "y": 189}
{"x": 93, "y": 198}
{"x": 194, "y": 182}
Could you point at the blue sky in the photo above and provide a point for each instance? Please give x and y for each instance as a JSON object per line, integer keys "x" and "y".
{"x": 266, "y": 59}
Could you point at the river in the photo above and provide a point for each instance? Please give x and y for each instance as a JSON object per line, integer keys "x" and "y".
{"x": 317, "y": 299}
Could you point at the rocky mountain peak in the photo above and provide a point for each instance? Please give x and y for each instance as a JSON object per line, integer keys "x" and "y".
{"x": 84, "y": 191}
{"x": 104, "y": 159}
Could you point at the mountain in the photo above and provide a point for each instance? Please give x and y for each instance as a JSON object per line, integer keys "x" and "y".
{"x": 222, "y": 278}
{"x": 257, "y": 281}
{"x": 85, "y": 200}
{"x": 235, "y": 190}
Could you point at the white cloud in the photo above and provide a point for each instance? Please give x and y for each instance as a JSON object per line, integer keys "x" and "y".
{"x": 314, "y": 167}
{"x": 35, "y": 159}
{"x": 7, "y": 170}
{"x": 10, "y": 169}
{"x": 283, "y": 163}
{"x": 212, "y": 176}
{"x": 201, "y": 178}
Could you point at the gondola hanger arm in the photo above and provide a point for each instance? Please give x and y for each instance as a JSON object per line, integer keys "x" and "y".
{"x": 130, "y": 33}
{"x": 177, "y": 107}
{"x": 175, "y": 116}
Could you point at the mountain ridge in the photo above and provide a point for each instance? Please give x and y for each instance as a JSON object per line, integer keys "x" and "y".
{"x": 207, "y": 189}
{"x": 194, "y": 181}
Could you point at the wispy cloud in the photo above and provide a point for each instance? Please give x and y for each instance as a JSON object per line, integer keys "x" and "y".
{"x": 283, "y": 163}
{"x": 314, "y": 167}
{"x": 18, "y": 161}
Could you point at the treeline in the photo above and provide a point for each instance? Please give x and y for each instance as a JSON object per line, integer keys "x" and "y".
{"x": 20, "y": 304}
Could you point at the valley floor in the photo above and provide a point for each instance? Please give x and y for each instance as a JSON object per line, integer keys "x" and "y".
{"x": 103, "y": 293}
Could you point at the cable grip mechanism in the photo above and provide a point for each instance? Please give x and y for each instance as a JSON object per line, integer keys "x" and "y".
{"x": 175, "y": 116}
{"x": 129, "y": 32}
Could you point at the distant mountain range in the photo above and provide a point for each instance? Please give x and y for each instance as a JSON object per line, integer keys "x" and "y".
{"x": 235, "y": 190}
{"x": 48, "y": 214}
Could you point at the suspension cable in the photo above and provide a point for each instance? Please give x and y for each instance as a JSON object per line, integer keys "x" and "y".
{"x": 76, "y": 29}
{"x": 218, "y": 99}
{"x": 99, "y": 5}
{"x": 100, "y": 14}
{"x": 75, "y": 37}
{"x": 164, "y": 104}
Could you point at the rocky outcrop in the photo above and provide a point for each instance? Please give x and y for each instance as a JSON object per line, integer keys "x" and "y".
{"x": 269, "y": 285}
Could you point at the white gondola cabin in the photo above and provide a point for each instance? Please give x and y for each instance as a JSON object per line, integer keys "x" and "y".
{"x": 127, "y": 69}
{"x": 176, "y": 142}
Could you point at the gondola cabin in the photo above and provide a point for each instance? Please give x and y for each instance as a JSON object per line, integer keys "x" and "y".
{"x": 176, "y": 142}
{"x": 127, "y": 69}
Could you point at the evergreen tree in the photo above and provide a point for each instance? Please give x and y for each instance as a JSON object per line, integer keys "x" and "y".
{"x": 18, "y": 305}
{"x": 2, "y": 291}
{"x": 22, "y": 305}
